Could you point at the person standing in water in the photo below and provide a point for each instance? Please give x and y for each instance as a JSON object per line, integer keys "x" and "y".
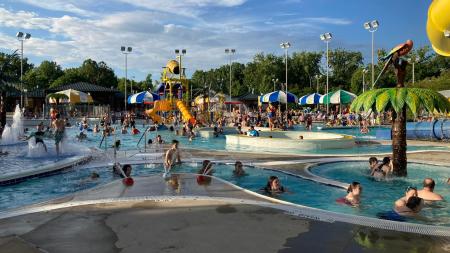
{"x": 172, "y": 157}
{"x": 59, "y": 125}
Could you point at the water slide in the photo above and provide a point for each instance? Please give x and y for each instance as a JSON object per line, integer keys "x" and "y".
{"x": 438, "y": 26}
{"x": 158, "y": 106}
{"x": 187, "y": 116}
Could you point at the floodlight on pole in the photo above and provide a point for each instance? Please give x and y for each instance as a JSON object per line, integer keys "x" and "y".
{"x": 372, "y": 27}
{"x": 285, "y": 46}
{"x": 126, "y": 51}
{"x": 21, "y": 37}
{"x": 179, "y": 54}
{"x": 230, "y": 52}
{"x": 326, "y": 37}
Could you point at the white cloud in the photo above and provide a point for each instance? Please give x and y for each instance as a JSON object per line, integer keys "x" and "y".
{"x": 155, "y": 34}
{"x": 22, "y": 19}
{"x": 70, "y": 6}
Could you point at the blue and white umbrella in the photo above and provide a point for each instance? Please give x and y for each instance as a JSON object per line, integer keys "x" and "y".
{"x": 278, "y": 96}
{"x": 142, "y": 97}
{"x": 311, "y": 99}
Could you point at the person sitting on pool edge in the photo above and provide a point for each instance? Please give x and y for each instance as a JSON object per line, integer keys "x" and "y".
{"x": 238, "y": 169}
{"x": 273, "y": 186}
{"x": 252, "y": 132}
{"x": 427, "y": 193}
{"x": 410, "y": 204}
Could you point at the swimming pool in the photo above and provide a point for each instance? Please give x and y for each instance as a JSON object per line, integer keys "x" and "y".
{"x": 129, "y": 141}
{"x": 300, "y": 191}
{"x": 378, "y": 197}
{"x": 46, "y": 188}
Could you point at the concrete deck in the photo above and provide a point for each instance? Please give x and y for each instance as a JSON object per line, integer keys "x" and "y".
{"x": 178, "y": 225}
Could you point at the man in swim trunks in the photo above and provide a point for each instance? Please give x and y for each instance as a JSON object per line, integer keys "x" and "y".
{"x": 172, "y": 156}
{"x": 60, "y": 127}
{"x": 427, "y": 192}
{"x": 410, "y": 204}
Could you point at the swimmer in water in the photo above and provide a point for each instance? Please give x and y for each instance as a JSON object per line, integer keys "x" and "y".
{"x": 238, "y": 169}
{"x": 410, "y": 204}
{"x": 172, "y": 157}
{"x": 354, "y": 194}
{"x": 274, "y": 186}
{"x": 427, "y": 193}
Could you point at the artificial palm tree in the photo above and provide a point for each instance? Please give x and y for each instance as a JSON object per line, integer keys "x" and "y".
{"x": 398, "y": 100}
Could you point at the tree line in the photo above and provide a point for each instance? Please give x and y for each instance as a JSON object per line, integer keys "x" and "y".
{"x": 49, "y": 74}
{"x": 307, "y": 73}
{"x": 264, "y": 73}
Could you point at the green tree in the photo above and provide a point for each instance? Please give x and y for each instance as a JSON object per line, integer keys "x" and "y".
{"x": 43, "y": 76}
{"x": 71, "y": 75}
{"x": 343, "y": 64}
{"x": 8, "y": 80}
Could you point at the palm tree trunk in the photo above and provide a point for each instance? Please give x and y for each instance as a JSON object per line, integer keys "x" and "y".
{"x": 399, "y": 159}
{"x": 2, "y": 112}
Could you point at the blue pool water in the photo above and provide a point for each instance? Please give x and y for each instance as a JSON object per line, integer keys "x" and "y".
{"x": 129, "y": 141}
{"x": 379, "y": 196}
{"x": 41, "y": 189}
{"x": 300, "y": 191}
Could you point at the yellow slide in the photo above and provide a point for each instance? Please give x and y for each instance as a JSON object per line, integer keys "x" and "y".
{"x": 160, "y": 105}
{"x": 187, "y": 116}
{"x": 438, "y": 26}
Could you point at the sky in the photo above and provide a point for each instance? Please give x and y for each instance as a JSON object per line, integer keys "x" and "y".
{"x": 69, "y": 31}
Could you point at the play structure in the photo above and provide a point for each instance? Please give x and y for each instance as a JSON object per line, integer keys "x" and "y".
{"x": 438, "y": 26}
{"x": 174, "y": 85}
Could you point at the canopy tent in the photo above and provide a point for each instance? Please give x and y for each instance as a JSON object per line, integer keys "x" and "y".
{"x": 74, "y": 97}
{"x": 142, "y": 97}
{"x": 278, "y": 96}
{"x": 445, "y": 93}
{"x": 311, "y": 99}
{"x": 338, "y": 97}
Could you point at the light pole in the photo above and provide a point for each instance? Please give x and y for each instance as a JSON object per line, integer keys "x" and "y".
{"x": 126, "y": 51}
{"x": 285, "y": 46}
{"x": 230, "y": 52}
{"x": 179, "y": 55}
{"x": 274, "y": 82}
{"x": 326, "y": 37}
{"x": 414, "y": 61}
{"x": 364, "y": 72}
{"x": 317, "y": 85}
{"x": 21, "y": 37}
{"x": 372, "y": 27}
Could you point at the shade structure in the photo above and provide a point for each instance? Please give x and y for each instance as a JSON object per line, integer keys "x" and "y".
{"x": 142, "y": 98}
{"x": 74, "y": 97}
{"x": 311, "y": 99}
{"x": 202, "y": 100}
{"x": 278, "y": 96}
{"x": 338, "y": 97}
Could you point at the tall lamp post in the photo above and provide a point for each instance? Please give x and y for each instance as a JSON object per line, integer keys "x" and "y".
{"x": 179, "y": 54}
{"x": 372, "y": 27}
{"x": 21, "y": 37}
{"x": 317, "y": 83}
{"x": 230, "y": 52}
{"x": 285, "y": 46}
{"x": 326, "y": 37}
{"x": 364, "y": 72}
{"x": 414, "y": 61}
{"x": 126, "y": 51}
{"x": 274, "y": 82}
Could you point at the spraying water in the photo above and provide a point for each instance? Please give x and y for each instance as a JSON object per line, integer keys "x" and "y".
{"x": 36, "y": 149}
{"x": 11, "y": 134}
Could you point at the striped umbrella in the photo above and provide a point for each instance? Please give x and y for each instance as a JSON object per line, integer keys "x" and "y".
{"x": 338, "y": 97}
{"x": 311, "y": 99}
{"x": 142, "y": 97}
{"x": 278, "y": 96}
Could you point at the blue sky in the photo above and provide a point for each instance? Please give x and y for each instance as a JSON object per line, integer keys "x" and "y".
{"x": 69, "y": 31}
